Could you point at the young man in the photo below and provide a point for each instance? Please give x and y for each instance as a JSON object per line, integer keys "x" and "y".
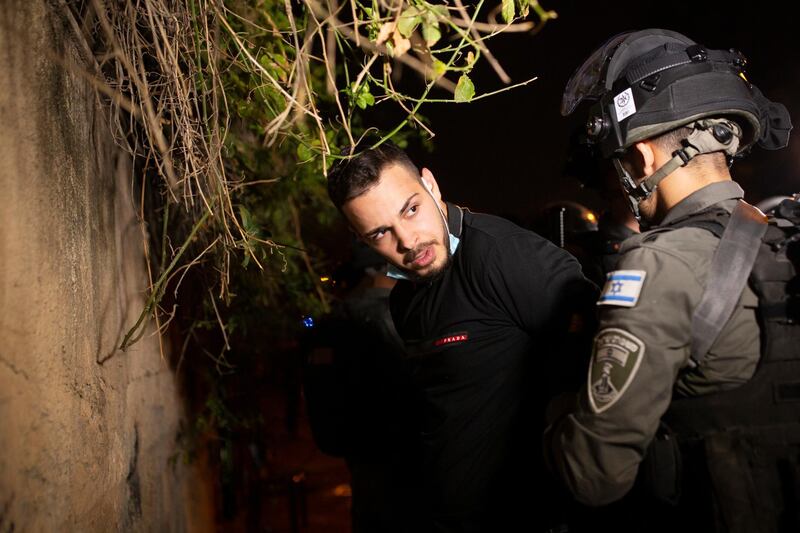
{"x": 678, "y": 324}
{"x": 483, "y": 307}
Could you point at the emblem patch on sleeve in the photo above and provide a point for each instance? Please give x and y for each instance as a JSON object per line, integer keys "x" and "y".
{"x": 622, "y": 288}
{"x": 615, "y": 360}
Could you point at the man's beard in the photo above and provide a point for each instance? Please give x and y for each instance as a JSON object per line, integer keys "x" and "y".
{"x": 436, "y": 274}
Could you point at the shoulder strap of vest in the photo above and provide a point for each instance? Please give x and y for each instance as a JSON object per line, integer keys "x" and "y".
{"x": 730, "y": 267}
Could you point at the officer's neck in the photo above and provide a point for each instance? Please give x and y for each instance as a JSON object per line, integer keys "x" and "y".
{"x": 683, "y": 181}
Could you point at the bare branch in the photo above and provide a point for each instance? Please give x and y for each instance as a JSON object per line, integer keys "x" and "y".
{"x": 495, "y": 28}
{"x": 489, "y": 57}
{"x": 367, "y": 45}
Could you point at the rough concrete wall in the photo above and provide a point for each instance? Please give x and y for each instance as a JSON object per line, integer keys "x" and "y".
{"x": 86, "y": 431}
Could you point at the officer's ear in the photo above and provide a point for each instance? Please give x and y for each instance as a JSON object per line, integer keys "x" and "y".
{"x": 645, "y": 158}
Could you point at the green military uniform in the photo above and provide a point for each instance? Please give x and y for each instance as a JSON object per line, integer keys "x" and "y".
{"x": 641, "y": 353}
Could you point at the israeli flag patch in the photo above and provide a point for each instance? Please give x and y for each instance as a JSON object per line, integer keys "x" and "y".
{"x": 622, "y": 288}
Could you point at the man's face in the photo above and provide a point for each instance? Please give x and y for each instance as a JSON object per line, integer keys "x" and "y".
{"x": 401, "y": 221}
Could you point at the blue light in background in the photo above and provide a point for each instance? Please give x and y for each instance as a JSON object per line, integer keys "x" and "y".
{"x": 308, "y": 322}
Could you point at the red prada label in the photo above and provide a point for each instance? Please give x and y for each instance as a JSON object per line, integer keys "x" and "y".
{"x": 450, "y": 339}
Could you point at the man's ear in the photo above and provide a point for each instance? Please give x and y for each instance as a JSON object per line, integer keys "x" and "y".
{"x": 429, "y": 182}
{"x": 645, "y": 157}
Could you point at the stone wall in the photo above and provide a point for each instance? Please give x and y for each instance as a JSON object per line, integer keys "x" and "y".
{"x": 87, "y": 432}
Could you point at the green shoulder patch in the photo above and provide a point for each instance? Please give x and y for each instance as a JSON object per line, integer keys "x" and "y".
{"x": 616, "y": 358}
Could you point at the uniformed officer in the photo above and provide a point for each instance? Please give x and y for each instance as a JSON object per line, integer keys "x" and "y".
{"x": 671, "y": 114}
{"x": 482, "y": 306}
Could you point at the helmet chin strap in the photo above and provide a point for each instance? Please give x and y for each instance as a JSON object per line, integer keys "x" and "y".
{"x": 707, "y": 136}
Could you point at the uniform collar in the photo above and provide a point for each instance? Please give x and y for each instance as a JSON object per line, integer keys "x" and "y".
{"x": 703, "y": 199}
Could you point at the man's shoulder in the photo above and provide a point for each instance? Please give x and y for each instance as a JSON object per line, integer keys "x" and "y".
{"x": 498, "y": 248}
{"x": 484, "y": 230}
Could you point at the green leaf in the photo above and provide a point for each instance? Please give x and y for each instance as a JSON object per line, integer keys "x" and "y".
{"x": 439, "y": 67}
{"x": 365, "y": 99}
{"x": 304, "y": 152}
{"x": 465, "y": 89}
{"x": 248, "y": 223}
{"x": 362, "y": 96}
{"x": 431, "y": 33}
{"x": 408, "y": 21}
{"x": 439, "y": 11}
{"x": 509, "y": 10}
{"x": 373, "y": 32}
{"x": 246, "y": 216}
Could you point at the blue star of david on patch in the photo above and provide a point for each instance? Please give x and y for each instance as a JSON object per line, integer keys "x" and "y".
{"x": 622, "y": 288}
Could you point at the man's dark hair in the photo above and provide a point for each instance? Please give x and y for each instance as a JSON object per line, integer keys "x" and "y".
{"x": 350, "y": 178}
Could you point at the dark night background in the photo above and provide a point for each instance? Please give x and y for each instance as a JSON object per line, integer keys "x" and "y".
{"x": 505, "y": 154}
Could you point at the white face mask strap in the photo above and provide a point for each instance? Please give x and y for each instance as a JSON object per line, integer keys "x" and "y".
{"x": 429, "y": 189}
{"x": 452, "y": 240}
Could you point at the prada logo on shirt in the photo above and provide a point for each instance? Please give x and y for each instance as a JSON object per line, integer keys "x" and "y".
{"x": 435, "y": 345}
{"x": 451, "y": 339}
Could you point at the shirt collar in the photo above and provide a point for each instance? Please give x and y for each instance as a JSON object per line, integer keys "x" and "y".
{"x": 455, "y": 219}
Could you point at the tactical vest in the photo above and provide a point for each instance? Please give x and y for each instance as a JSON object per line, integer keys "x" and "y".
{"x": 730, "y": 461}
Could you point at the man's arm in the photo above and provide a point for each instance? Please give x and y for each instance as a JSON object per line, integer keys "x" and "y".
{"x": 539, "y": 284}
{"x": 641, "y": 345}
{"x": 545, "y": 292}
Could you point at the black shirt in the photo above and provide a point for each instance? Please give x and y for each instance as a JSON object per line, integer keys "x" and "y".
{"x": 483, "y": 342}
